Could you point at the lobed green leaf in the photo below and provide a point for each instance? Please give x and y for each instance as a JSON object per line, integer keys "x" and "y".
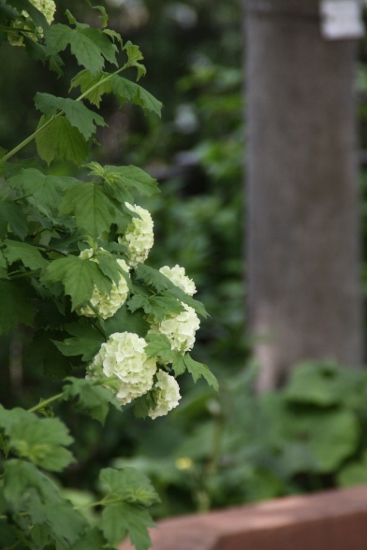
{"x": 129, "y": 485}
{"x": 159, "y": 346}
{"x": 29, "y": 255}
{"x": 60, "y": 138}
{"x": 198, "y": 369}
{"x": 93, "y": 87}
{"x": 90, "y": 398}
{"x": 92, "y": 209}
{"x": 12, "y": 219}
{"x": 121, "y": 519}
{"x": 125, "y": 90}
{"x": 41, "y": 440}
{"x": 86, "y": 341}
{"x": 78, "y": 277}
{"x": 124, "y": 320}
{"x": 76, "y": 112}
{"x": 30, "y": 492}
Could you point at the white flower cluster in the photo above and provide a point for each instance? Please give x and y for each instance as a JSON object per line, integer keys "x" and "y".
{"x": 178, "y": 277}
{"x": 47, "y": 7}
{"x": 123, "y": 358}
{"x": 180, "y": 329}
{"x": 105, "y": 304}
{"x": 139, "y": 236}
{"x": 166, "y": 393}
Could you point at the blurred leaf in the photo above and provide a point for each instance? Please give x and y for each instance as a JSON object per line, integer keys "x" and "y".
{"x": 15, "y": 307}
{"x": 118, "y": 520}
{"x": 353, "y": 473}
{"x": 91, "y": 398}
{"x": 26, "y": 489}
{"x": 41, "y": 440}
{"x": 129, "y": 485}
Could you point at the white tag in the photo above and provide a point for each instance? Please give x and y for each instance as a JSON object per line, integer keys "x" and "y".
{"x": 341, "y": 19}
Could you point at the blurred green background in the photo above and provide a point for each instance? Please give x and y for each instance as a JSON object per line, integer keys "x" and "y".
{"x": 215, "y": 450}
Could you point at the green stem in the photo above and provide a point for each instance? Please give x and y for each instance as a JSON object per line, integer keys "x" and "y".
{"x": 46, "y": 402}
{"x": 23, "y": 274}
{"x": 51, "y": 249}
{"x": 59, "y": 115}
{"x": 108, "y": 77}
{"x": 30, "y": 138}
{"x": 103, "y": 502}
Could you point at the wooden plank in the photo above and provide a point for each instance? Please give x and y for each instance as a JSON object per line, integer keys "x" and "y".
{"x": 334, "y": 520}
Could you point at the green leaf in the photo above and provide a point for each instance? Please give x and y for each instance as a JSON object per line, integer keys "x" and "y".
{"x": 159, "y": 346}
{"x": 109, "y": 266}
{"x": 93, "y": 540}
{"x": 198, "y": 369}
{"x": 86, "y": 341}
{"x": 41, "y": 440}
{"x": 15, "y": 307}
{"x": 43, "y": 353}
{"x": 186, "y": 299}
{"x": 91, "y": 398}
{"x": 35, "y": 14}
{"x": 178, "y": 363}
{"x": 353, "y": 473}
{"x": 87, "y": 52}
{"x": 78, "y": 277}
{"x": 76, "y": 112}
{"x": 97, "y": 84}
{"x": 3, "y": 267}
{"x": 45, "y": 190}
{"x": 131, "y": 177}
{"x": 27, "y": 490}
{"x": 125, "y": 321}
{"x": 331, "y": 435}
{"x": 125, "y": 90}
{"x": 134, "y": 55}
{"x": 153, "y": 277}
{"x": 26, "y": 253}
{"x": 324, "y": 384}
{"x": 120, "y": 519}
{"x": 129, "y": 485}
{"x": 143, "y": 404}
{"x": 92, "y": 209}
{"x": 100, "y": 39}
{"x": 12, "y": 219}
{"x": 59, "y": 137}
{"x": 159, "y": 306}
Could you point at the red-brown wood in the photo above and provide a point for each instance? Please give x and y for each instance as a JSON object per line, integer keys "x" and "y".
{"x": 331, "y": 520}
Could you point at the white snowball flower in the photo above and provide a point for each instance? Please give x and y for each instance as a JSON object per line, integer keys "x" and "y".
{"x": 106, "y": 304}
{"x": 86, "y": 254}
{"x": 180, "y": 329}
{"x": 123, "y": 358}
{"x": 47, "y": 7}
{"x": 178, "y": 277}
{"x": 139, "y": 236}
{"x": 166, "y": 393}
